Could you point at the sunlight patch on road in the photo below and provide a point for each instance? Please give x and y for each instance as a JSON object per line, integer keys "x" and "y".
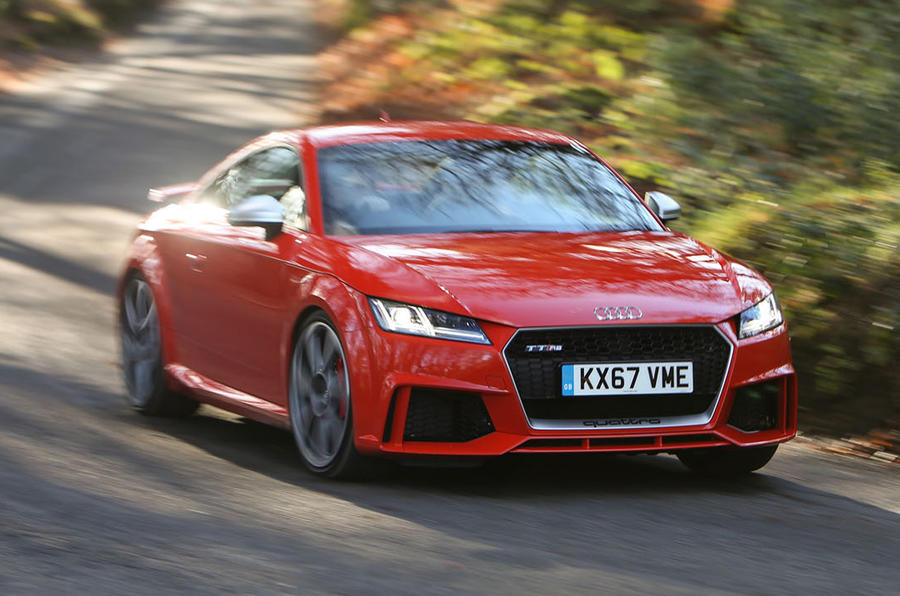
{"x": 57, "y": 269}
{"x": 89, "y": 235}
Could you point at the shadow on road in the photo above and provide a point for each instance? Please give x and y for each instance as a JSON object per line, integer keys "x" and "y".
{"x": 593, "y": 512}
{"x": 271, "y": 451}
{"x": 65, "y": 269}
{"x": 556, "y": 515}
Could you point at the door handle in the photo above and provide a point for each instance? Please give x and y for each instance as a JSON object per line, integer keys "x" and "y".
{"x": 196, "y": 261}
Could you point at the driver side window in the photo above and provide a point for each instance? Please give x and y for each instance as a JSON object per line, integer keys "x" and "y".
{"x": 274, "y": 172}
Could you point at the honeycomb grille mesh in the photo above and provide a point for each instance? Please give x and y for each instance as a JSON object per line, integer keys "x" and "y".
{"x": 446, "y": 416}
{"x": 538, "y": 375}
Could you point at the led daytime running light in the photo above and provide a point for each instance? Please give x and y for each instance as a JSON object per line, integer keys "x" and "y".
{"x": 399, "y": 317}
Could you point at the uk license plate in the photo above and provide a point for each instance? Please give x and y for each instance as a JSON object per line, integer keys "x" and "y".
{"x": 623, "y": 378}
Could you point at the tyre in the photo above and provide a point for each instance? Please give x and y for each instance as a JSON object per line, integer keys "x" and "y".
{"x": 142, "y": 364}
{"x": 727, "y": 461}
{"x": 320, "y": 404}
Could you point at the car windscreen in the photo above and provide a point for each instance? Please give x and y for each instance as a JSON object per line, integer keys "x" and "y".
{"x": 414, "y": 187}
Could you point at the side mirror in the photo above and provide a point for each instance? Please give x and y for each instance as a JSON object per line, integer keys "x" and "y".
{"x": 665, "y": 207}
{"x": 163, "y": 194}
{"x": 260, "y": 210}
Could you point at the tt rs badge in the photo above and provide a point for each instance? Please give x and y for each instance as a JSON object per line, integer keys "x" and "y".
{"x": 544, "y": 348}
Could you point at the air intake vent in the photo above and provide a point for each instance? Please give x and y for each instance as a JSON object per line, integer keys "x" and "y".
{"x": 446, "y": 416}
{"x": 755, "y": 407}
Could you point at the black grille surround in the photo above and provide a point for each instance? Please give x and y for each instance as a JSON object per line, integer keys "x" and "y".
{"x": 538, "y": 377}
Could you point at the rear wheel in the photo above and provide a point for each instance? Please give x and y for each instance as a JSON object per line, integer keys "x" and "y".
{"x": 320, "y": 402}
{"x": 142, "y": 365}
{"x": 727, "y": 461}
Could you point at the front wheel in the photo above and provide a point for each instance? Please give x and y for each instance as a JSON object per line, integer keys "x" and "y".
{"x": 141, "y": 340}
{"x": 320, "y": 403}
{"x": 727, "y": 461}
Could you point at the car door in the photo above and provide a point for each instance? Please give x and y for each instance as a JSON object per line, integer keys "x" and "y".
{"x": 240, "y": 291}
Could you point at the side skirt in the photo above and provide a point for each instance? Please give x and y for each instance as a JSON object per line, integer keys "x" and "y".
{"x": 222, "y": 396}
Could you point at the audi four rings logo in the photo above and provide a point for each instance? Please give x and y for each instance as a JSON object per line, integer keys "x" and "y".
{"x": 618, "y": 313}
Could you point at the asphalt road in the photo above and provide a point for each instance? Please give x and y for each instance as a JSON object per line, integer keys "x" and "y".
{"x": 97, "y": 499}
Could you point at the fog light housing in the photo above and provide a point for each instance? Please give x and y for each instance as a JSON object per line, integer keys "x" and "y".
{"x": 755, "y": 406}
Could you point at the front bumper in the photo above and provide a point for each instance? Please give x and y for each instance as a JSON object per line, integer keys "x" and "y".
{"x": 403, "y": 368}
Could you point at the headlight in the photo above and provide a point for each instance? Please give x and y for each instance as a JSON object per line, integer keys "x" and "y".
{"x": 417, "y": 320}
{"x": 762, "y": 316}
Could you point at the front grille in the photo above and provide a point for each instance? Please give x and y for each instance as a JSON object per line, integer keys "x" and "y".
{"x": 538, "y": 375}
{"x": 445, "y": 416}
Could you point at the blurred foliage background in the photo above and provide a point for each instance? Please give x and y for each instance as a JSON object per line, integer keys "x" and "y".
{"x": 32, "y": 24}
{"x": 774, "y": 122}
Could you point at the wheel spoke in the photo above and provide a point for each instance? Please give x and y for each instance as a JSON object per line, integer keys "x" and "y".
{"x": 140, "y": 310}
{"x": 319, "y": 436}
{"x": 337, "y": 390}
{"x": 332, "y": 428}
{"x": 300, "y": 382}
{"x": 131, "y": 315}
{"x": 142, "y": 306}
{"x": 306, "y": 358}
{"x": 129, "y": 345}
{"x": 330, "y": 349}
{"x": 313, "y": 352}
{"x": 148, "y": 319}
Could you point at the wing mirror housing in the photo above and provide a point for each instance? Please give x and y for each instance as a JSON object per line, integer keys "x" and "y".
{"x": 262, "y": 211}
{"x": 164, "y": 194}
{"x": 665, "y": 207}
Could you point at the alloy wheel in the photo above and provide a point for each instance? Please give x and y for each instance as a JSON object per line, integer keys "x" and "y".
{"x": 319, "y": 394}
{"x": 141, "y": 343}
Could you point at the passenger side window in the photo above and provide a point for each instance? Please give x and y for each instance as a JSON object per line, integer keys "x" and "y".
{"x": 274, "y": 172}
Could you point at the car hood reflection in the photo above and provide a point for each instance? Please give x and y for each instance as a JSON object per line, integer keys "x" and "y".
{"x": 528, "y": 279}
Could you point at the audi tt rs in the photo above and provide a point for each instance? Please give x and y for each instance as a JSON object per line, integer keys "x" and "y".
{"x": 450, "y": 290}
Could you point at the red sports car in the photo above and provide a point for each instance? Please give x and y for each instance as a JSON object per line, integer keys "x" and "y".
{"x": 452, "y": 290}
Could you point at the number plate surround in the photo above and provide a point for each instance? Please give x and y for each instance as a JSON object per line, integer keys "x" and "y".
{"x": 627, "y": 378}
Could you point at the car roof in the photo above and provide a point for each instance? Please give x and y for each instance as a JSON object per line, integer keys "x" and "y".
{"x": 407, "y": 130}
